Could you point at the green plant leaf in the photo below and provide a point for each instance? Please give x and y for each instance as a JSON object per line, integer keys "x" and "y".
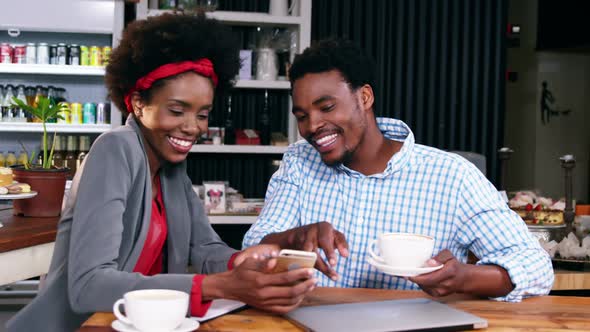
{"x": 20, "y": 104}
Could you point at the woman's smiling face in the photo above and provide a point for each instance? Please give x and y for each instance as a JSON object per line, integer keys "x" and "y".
{"x": 176, "y": 114}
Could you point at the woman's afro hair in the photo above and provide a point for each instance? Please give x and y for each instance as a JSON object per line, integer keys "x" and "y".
{"x": 168, "y": 38}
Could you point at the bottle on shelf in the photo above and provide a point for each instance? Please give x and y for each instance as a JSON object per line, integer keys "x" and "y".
{"x": 22, "y": 159}
{"x": 84, "y": 148}
{"x": 7, "y": 109}
{"x": 71, "y": 158}
{"x": 30, "y": 93}
{"x": 10, "y": 159}
{"x": 51, "y": 95}
{"x": 38, "y": 95}
{"x": 230, "y": 132}
{"x": 58, "y": 152}
{"x": 265, "y": 122}
{"x": 20, "y": 114}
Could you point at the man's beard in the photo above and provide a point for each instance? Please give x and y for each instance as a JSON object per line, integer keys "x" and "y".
{"x": 345, "y": 159}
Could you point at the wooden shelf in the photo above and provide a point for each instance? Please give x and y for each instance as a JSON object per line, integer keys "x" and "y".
{"x": 53, "y": 127}
{"x": 34, "y": 69}
{"x": 253, "y": 149}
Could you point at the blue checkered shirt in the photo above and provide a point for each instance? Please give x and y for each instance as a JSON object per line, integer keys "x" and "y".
{"x": 422, "y": 190}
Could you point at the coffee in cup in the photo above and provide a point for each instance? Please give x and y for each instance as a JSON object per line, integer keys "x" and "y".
{"x": 402, "y": 249}
{"x": 152, "y": 310}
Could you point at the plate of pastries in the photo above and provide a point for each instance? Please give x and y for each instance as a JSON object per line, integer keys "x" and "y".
{"x": 9, "y": 189}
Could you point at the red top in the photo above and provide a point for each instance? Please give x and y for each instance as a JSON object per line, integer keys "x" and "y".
{"x": 150, "y": 261}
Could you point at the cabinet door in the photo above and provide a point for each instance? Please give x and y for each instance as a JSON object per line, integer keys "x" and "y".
{"x": 94, "y": 16}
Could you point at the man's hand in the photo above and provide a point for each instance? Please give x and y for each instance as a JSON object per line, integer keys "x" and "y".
{"x": 457, "y": 277}
{"x": 251, "y": 282}
{"x": 311, "y": 238}
{"x": 450, "y": 279}
{"x": 259, "y": 251}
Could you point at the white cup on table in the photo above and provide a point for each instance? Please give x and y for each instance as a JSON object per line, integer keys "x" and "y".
{"x": 152, "y": 310}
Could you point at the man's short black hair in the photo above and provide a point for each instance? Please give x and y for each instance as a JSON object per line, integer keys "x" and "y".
{"x": 335, "y": 54}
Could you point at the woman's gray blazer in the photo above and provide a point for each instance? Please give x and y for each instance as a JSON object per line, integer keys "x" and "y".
{"x": 102, "y": 230}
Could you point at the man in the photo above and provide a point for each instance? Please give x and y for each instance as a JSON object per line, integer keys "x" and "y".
{"x": 356, "y": 176}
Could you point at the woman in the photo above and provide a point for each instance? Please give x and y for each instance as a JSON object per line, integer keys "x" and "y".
{"x": 132, "y": 220}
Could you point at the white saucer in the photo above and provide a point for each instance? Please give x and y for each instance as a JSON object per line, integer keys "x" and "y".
{"x": 402, "y": 271}
{"x": 187, "y": 325}
{"x": 19, "y": 196}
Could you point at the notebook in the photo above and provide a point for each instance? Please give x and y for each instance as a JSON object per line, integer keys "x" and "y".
{"x": 393, "y": 315}
{"x": 220, "y": 307}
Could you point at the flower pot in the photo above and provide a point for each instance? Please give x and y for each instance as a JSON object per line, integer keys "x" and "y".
{"x": 50, "y": 186}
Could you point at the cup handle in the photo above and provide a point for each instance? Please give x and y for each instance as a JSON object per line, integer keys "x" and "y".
{"x": 373, "y": 254}
{"x": 118, "y": 313}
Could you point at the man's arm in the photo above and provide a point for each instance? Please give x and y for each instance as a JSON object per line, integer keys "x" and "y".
{"x": 512, "y": 264}
{"x": 279, "y": 222}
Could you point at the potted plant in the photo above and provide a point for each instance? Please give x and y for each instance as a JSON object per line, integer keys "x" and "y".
{"x": 49, "y": 182}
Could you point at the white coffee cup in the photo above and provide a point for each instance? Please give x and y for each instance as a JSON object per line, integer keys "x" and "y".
{"x": 402, "y": 249}
{"x": 152, "y": 310}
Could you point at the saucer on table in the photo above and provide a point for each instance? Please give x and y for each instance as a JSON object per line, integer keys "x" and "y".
{"x": 402, "y": 271}
{"x": 187, "y": 325}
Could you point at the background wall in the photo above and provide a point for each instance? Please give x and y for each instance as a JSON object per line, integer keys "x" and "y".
{"x": 535, "y": 162}
{"x": 441, "y": 65}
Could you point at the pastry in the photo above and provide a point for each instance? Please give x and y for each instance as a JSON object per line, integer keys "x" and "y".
{"x": 18, "y": 188}
{"x": 536, "y": 210}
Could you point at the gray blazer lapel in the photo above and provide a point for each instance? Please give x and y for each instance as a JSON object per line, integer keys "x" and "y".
{"x": 177, "y": 212}
{"x": 131, "y": 260}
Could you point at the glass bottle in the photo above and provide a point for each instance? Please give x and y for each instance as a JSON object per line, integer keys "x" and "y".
{"x": 70, "y": 158}
{"x": 265, "y": 122}
{"x": 58, "y": 152}
{"x": 2, "y": 159}
{"x": 38, "y": 95}
{"x": 30, "y": 94}
{"x": 10, "y": 159}
{"x": 20, "y": 114}
{"x": 22, "y": 159}
{"x": 7, "y": 109}
{"x": 230, "y": 132}
{"x": 84, "y": 147}
{"x": 51, "y": 95}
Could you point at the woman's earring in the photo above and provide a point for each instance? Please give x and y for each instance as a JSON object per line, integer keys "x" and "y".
{"x": 138, "y": 113}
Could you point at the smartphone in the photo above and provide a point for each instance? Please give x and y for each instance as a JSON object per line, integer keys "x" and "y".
{"x": 294, "y": 259}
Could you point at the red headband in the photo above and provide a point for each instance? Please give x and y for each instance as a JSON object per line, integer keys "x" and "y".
{"x": 202, "y": 66}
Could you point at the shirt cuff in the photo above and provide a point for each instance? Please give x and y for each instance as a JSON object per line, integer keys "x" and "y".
{"x": 198, "y": 306}
{"x": 230, "y": 263}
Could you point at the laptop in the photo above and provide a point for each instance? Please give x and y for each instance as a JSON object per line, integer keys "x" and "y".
{"x": 393, "y": 315}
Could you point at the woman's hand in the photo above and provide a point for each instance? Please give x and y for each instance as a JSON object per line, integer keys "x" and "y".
{"x": 261, "y": 250}
{"x": 253, "y": 282}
